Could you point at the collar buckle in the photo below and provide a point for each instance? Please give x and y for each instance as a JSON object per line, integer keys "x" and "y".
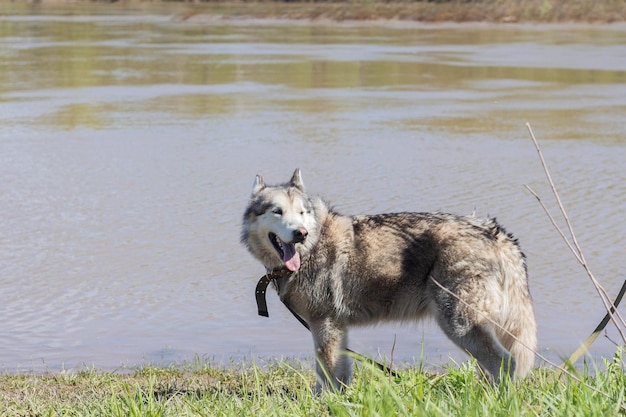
{"x": 261, "y": 288}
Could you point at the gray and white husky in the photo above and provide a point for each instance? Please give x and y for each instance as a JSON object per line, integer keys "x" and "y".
{"x": 358, "y": 270}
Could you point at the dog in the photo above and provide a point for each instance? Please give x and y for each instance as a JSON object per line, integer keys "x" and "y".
{"x": 468, "y": 274}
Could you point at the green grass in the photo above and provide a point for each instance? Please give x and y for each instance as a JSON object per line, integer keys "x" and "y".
{"x": 284, "y": 389}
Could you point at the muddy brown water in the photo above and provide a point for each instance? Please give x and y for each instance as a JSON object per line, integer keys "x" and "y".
{"x": 129, "y": 143}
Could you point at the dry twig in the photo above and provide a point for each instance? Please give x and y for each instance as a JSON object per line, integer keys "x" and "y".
{"x": 574, "y": 246}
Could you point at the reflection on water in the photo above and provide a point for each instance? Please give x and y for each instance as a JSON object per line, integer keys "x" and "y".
{"x": 129, "y": 144}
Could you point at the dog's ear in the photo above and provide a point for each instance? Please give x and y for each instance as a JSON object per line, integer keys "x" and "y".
{"x": 296, "y": 180}
{"x": 258, "y": 185}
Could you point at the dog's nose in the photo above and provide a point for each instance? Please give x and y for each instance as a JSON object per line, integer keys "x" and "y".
{"x": 299, "y": 235}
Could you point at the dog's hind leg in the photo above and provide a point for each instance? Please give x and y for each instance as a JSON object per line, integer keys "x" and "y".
{"x": 492, "y": 357}
{"x": 473, "y": 333}
{"x": 480, "y": 341}
{"x": 334, "y": 367}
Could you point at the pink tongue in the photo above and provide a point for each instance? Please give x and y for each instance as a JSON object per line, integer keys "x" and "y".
{"x": 291, "y": 258}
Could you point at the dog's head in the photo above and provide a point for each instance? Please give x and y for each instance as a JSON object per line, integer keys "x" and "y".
{"x": 279, "y": 224}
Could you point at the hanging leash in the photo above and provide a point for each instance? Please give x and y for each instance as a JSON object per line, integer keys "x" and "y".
{"x": 584, "y": 347}
{"x": 260, "y": 292}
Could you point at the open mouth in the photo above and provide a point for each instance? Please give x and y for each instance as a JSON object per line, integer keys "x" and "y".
{"x": 286, "y": 251}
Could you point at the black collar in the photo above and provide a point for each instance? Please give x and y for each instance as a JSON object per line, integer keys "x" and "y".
{"x": 261, "y": 287}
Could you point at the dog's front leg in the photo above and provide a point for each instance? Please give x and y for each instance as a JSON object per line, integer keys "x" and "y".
{"x": 334, "y": 367}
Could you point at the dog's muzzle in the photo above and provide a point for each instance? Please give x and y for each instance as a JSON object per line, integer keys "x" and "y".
{"x": 287, "y": 250}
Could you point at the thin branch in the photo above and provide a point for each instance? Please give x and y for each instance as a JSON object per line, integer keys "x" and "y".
{"x": 393, "y": 351}
{"x": 576, "y": 253}
{"x": 556, "y": 226}
{"x": 554, "y": 192}
{"x": 575, "y": 248}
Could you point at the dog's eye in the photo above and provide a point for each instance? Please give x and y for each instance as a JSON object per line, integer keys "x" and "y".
{"x": 278, "y": 211}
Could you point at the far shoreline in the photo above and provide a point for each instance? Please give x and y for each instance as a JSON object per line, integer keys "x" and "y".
{"x": 356, "y": 12}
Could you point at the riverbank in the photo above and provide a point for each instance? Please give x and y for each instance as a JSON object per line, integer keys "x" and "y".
{"x": 492, "y": 11}
{"x": 284, "y": 389}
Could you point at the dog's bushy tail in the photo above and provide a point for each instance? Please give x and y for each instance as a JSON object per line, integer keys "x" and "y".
{"x": 517, "y": 317}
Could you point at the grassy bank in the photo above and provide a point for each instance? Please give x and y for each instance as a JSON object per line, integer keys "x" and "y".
{"x": 283, "y": 389}
{"x": 508, "y": 11}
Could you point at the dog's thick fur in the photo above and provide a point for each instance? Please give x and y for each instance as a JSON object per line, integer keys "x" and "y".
{"x": 360, "y": 270}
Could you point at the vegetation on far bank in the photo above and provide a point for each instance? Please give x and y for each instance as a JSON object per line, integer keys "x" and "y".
{"x": 502, "y": 11}
{"x": 284, "y": 389}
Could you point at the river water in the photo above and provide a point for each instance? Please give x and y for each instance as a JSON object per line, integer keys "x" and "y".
{"x": 129, "y": 143}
